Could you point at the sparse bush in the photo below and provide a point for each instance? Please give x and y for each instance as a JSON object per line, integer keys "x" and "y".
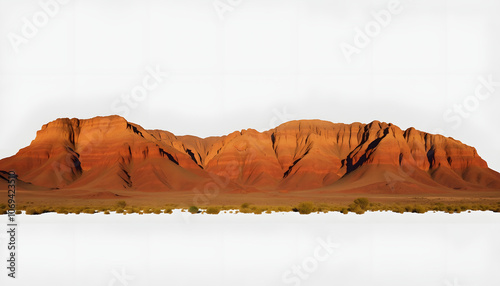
{"x": 62, "y": 210}
{"x": 106, "y": 212}
{"x": 121, "y": 204}
{"x": 193, "y": 209}
{"x": 257, "y": 211}
{"x": 213, "y": 210}
{"x": 245, "y": 210}
{"x": 360, "y": 211}
{"x": 131, "y": 210}
{"x": 439, "y": 207}
{"x": 362, "y": 203}
{"x": 168, "y": 211}
{"x": 284, "y": 209}
{"x": 157, "y": 211}
{"x": 305, "y": 207}
{"x": 119, "y": 210}
{"x": 32, "y": 211}
{"x": 419, "y": 209}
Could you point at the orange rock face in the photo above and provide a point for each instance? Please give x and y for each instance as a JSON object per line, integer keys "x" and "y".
{"x": 109, "y": 153}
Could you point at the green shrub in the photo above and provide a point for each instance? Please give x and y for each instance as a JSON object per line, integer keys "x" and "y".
{"x": 213, "y": 210}
{"x": 193, "y": 209}
{"x": 305, "y": 207}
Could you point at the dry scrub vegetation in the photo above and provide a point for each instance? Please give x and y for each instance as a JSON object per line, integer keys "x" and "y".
{"x": 358, "y": 206}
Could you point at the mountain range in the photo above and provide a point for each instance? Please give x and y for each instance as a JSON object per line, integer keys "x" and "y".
{"x": 109, "y": 154}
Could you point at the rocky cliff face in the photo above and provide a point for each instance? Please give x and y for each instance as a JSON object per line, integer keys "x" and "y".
{"x": 106, "y": 153}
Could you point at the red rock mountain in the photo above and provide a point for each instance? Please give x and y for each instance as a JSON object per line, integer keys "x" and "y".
{"x": 109, "y": 153}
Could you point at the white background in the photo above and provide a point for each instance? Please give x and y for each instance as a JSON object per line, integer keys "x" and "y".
{"x": 261, "y": 64}
{"x": 432, "y": 249}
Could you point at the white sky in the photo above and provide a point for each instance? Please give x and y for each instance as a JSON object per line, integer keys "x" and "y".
{"x": 264, "y": 63}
